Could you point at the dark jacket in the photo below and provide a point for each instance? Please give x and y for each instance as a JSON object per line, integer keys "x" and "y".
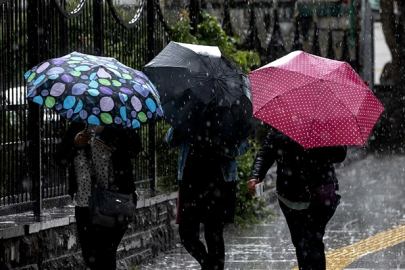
{"x": 297, "y": 169}
{"x": 126, "y": 145}
{"x": 229, "y": 166}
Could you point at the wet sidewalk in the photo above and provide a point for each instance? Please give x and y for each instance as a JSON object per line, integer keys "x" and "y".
{"x": 360, "y": 236}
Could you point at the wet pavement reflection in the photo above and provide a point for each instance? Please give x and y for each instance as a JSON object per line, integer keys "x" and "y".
{"x": 373, "y": 201}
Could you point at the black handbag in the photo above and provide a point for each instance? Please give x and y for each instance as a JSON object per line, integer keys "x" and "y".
{"x": 109, "y": 208}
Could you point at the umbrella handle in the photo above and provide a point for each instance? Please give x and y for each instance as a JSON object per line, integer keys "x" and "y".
{"x": 90, "y": 130}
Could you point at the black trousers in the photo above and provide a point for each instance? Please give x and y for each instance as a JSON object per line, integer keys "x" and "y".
{"x": 99, "y": 244}
{"x": 212, "y": 257}
{"x": 307, "y": 229}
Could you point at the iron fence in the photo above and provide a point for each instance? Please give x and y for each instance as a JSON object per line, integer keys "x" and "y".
{"x": 133, "y": 32}
{"x": 32, "y": 31}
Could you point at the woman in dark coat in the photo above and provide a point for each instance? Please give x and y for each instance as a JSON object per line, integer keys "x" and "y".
{"x": 207, "y": 174}
{"x": 307, "y": 190}
{"x": 109, "y": 152}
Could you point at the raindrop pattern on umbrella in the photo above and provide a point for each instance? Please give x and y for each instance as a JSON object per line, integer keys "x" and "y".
{"x": 314, "y": 100}
{"x": 95, "y": 90}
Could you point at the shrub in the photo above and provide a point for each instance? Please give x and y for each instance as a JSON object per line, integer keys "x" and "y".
{"x": 248, "y": 209}
{"x": 210, "y": 33}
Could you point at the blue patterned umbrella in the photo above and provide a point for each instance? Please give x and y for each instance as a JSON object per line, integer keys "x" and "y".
{"x": 94, "y": 90}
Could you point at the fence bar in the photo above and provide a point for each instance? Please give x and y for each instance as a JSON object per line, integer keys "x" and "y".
{"x": 98, "y": 27}
{"x": 152, "y": 127}
{"x": 367, "y": 43}
{"x": 35, "y": 35}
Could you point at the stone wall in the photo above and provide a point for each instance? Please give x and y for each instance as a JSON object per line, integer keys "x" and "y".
{"x": 52, "y": 242}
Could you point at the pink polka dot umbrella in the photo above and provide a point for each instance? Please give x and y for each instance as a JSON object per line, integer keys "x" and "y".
{"x": 314, "y": 100}
{"x": 94, "y": 90}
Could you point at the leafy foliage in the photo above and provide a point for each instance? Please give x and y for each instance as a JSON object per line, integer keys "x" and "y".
{"x": 248, "y": 209}
{"x": 210, "y": 33}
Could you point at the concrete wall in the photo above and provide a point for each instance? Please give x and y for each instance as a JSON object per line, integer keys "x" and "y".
{"x": 52, "y": 242}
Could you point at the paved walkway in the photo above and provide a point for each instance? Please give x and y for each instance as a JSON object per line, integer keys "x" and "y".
{"x": 367, "y": 231}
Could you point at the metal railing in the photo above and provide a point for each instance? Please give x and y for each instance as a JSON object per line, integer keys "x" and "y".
{"x": 32, "y": 31}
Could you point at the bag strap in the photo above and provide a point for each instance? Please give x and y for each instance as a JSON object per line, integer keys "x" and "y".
{"x": 90, "y": 131}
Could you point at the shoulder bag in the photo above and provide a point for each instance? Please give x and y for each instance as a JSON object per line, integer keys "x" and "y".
{"x": 109, "y": 208}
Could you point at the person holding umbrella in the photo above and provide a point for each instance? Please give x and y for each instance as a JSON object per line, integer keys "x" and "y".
{"x": 111, "y": 151}
{"x": 206, "y": 99}
{"x": 315, "y": 107}
{"x": 105, "y": 102}
{"x": 207, "y": 174}
{"x": 307, "y": 190}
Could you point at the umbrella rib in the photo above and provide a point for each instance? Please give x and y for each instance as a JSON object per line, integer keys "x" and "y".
{"x": 191, "y": 87}
{"x": 222, "y": 82}
{"x": 278, "y": 95}
{"x": 344, "y": 105}
{"x": 358, "y": 124}
{"x": 314, "y": 67}
{"x": 313, "y": 120}
{"x": 294, "y": 89}
{"x": 357, "y": 121}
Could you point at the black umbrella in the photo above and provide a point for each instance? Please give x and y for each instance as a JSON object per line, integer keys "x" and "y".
{"x": 189, "y": 78}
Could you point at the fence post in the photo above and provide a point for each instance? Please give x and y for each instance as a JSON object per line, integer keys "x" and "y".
{"x": 367, "y": 50}
{"x": 151, "y": 14}
{"x": 194, "y": 15}
{"x": 35, "y": 33}
{"x": 98, "y": 27}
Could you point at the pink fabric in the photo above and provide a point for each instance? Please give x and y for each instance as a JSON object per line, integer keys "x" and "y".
{"x": 314, "y": 100}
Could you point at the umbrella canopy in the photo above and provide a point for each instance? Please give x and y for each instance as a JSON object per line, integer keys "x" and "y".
{"x": 314, "y": 100}
{"x": 189, "y": 78}
{"x": 95, "y": 90}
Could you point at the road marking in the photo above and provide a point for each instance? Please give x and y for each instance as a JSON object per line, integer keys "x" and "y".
{"x": 340, "y": 258}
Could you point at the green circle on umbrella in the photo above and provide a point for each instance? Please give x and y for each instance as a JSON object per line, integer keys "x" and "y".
{"x": 116, "y": 83}
{"x": 142, "y": 117}
{"x": 104, "y": 82}
{"x": 76, "y": 73}
{"x": 106, "y": 118}
{"x": 31, "y": 77}
{"x": 49, "y": 102}
{"x": 126, "y": 76}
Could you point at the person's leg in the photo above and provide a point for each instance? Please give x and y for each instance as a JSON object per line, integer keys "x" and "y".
{"x": 318, "y": 219}
{"x": 213, "y": 233}
{"x": 190, "y": 237}
{"x": 307, "y": 228}
{"x": 296, "y": 221}
{"x": 99, "y": 244}
{"x": 85, "y": 233}
{"x": 105, "y": 247}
